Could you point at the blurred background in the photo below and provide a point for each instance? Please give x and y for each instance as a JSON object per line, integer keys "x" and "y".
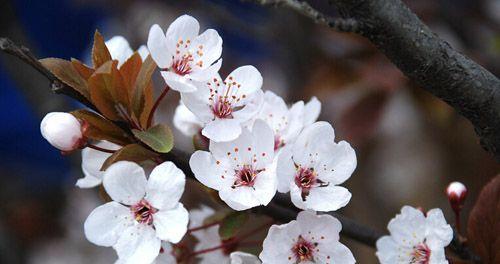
{"x": 409, "y": 144}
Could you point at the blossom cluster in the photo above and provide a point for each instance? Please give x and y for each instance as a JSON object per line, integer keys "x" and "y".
{"x": 257, "y": 146}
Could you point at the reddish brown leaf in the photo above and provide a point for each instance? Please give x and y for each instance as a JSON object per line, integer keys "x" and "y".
{"x": 64, "y": 70}
{"x": 483, "y": 228}
{"x": 102, "y": 91}
{"x": 142, "y": 83}
{"x": 82, "y": 69}
{"x": 148, "y": 105}
{"x": 129, "y": 71}
{"x": 100, "y": 53}
{"x": 131, "y": 152}
{"x": 101, "y": 129}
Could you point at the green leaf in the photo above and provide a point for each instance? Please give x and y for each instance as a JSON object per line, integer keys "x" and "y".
{"x": 100, "y": 53}
{"x": 65, "y": 72}
{"x": 101, "y": 128}
{"x": 131, "y": 152}
{"x": 159, "y": 138}
{"x": 232, "y": 224}
{"x": 142, "y": 83}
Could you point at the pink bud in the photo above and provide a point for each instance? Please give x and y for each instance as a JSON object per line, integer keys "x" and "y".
{"x": 456, "y": 193}
{"x": 62, "y": 130}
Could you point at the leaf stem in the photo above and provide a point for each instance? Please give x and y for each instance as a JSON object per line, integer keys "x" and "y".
{"x": 156, "y": 104}
{"x": 203, "y": 227}
{"x": 92, "y": 146}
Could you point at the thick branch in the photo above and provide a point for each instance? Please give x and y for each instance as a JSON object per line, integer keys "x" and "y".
{"x": 339, "y": 24}
{"x": 426, "y": 59}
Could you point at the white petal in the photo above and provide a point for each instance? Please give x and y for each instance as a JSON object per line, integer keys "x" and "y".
{"x": 186, "y": 121}
{"x": 119, "y": 49}
{"x": 240, "y": 198}
{"x": 387, "y": 250}
{"x": 248, "y": 77}
{"x": 171, "y": 225}
{"x": 285, "y": 170}
{"x": 183, "y": 28}
{"x": 198, "y": 216}
{"x": 251, "y": 106}
{"x": 278, "y": 242}
{"x": 157, "y": 45}
{"x": 328, "y": 198}
{"x": 125, "y": 182}
{"x": 320, "y": 228}
{"x": 221, "y": 130}
{"x": 211, "y": 48}
{"x": 207, "y": 73}
{"x": 239, "y": 257}
{"x": 138, "y": 244}
{"x": 165, "y": 257}
{"x": 338, "y": 165}
{"x": 92, "y": 161}
{"x": 178, "y": 83}
{"x": 198, "y": 102}
{"x": 106, "y": 223}
{"x": 438, "y": 257}
{"x": 311, "y": 111}
{"x": 439, "y": 233}
{"x": 308, "y": 147}
{"x": 408, "y": 228}
{"x": 207, "y": 171}
{"x": 165, "y": 185}
{"x": 265, "y": 185}
{"x": 337, "y": 252}
{"x": 263, "y": 144}
{"x": 294, "y": 125}
{"x": 143, "y": 52}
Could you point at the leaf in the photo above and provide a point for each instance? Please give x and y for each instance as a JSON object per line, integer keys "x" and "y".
{"x": 101, "y": 129}
{"x": 232, "y": 224}
{"x": 483, "y": 229}
{"x": 141, "y": 85}
{"x": 131, "y": 152}
{"x": 106, "y": 93}
{"x": 65, "y": 72}
{"x": 84, "y": 71}
{"x": 159, "y": 138}
{"x": 129, "y": 71}
{"x": 100, "y": 53}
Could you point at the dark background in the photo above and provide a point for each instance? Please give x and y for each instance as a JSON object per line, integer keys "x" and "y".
{"x": 409, "y": 144}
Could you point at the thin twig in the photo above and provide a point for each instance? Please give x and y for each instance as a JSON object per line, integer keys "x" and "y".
{"x": 302, "y": 7}
{"x": 156, "y": 104}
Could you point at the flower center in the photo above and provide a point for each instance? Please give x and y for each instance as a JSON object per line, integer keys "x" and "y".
{"x": 222, "y": 108}
{"x": 305, "y": 179}
{"x": 421, "y": 254}
{"x": 245, "y": 177}
{"x": 182, "y": 66}
{"x": 143, "y": 212}
{"x": 303, "y": 250}
{"x": 278, "y": 142}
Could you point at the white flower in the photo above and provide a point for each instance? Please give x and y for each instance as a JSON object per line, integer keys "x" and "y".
{"x": 62, "y": 130}
{"x": 142, "y": 213}
{"x": 312, "y": 168}
{"x": 120, "y": 49}
{"x": 224, "y": 106}
{"x": 286, "y": 123}
{"x": 309, "y": 239}
{"x": 241, "y": 170}
{"x": 92, "y": 161}
{"x": 207, "y": 237}
{"x": 311, "y": 111}
{"x": 184, "y": 56}
{"x": 165, "y": 256}
{"x": 186, "y": 121}
{"x": 239, "y": 257}
{"x": 415, "y": 238}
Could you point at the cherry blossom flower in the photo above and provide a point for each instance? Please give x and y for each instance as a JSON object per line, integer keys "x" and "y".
{"x": 92, "y": 161}
{"x": 415, "y": 238}
{"x": 63, "y": 131}
{"x": 239, "y": 257}
{"x": 286, "y": 123}
{"x": 309, "y": 239}
{"x": 311, "y": 111}
{"x": 143, "y": 212}
{"x": 241, "y": 170}
{"x": 120, "y": 50}
{"x": 186, "y": 122}
{"x": 184, "y": 56}
{"x": 313, "y": 167}
{"x": 223, "y": 106}
{"x": 165, "y": 255}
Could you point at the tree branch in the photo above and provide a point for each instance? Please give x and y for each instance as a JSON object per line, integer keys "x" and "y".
{"x": 425, "y": 58}
{"x": 339, "y": 24}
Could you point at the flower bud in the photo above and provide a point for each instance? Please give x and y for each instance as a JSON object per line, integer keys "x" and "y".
{"x": 456, "y": 193}
{"x": 62, "y": 130}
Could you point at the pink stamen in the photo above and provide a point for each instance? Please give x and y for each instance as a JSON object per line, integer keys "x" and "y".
{"x": 222, "y": 108}
{"x": 143, "y": 212}
{"x": 245, "y": 177}
{"x": 421, "y": 254}
{"x": 305, "y": 179}
{"x": 303, "y": 250}
{"x": 278, "y": 143}
{"x": 182, "y": 66}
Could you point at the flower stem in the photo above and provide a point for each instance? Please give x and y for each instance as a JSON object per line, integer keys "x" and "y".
{"x": 156, "y": 104}
{"x": 100, "y": 149}
{"x": 203, "y": 227}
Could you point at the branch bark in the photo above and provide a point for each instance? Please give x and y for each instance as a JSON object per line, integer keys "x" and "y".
{"x": 426, "y": 59}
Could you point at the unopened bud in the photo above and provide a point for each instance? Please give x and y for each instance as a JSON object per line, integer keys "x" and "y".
{"x": 456, "y": 193}
{"x": 62, "y": 130}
